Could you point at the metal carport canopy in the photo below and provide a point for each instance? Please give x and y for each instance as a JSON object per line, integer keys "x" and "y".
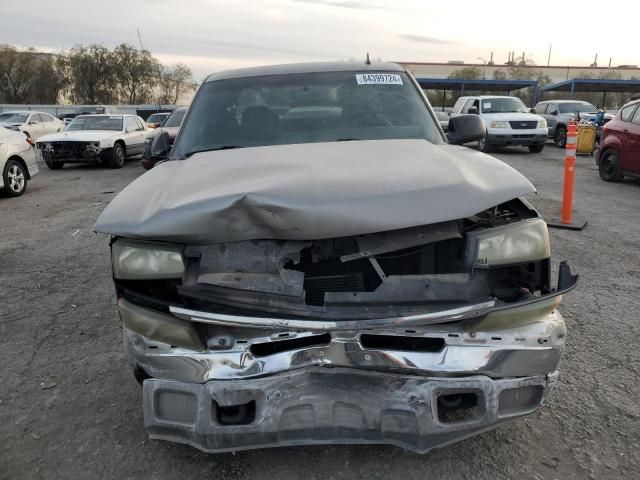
{"x": 474, "y": 85}
{"x": 593, "y": 85}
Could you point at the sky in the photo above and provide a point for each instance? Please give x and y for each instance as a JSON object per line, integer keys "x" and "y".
{"x": 214, "y": 35}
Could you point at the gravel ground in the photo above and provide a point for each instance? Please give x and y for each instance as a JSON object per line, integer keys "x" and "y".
{"x": 70, "y": 408}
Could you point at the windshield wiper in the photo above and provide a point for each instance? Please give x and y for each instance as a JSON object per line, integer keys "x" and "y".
{"x": 222, "y": 147}
{"x": 346, "y": 139}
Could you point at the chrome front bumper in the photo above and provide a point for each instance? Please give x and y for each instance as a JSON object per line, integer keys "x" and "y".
{"x": 231, "y": 397}
{"x": 332, "y": 406}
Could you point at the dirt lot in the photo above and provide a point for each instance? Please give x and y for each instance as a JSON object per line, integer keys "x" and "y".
{"x": 70, "y": 408}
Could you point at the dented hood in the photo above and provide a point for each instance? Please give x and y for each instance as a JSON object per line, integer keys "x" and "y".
{"x": 309, "y": 192}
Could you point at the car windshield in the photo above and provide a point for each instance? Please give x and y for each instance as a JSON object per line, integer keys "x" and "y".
{"x": 577, "y": 107}
{"x": 305, "y": 108}
{"x": 96, "y": 123}
{"x": 175, "y": 119}
{"x": 156, "y": 117}
{"x": 13, "y": 117}
{"x": 503, "y": 105}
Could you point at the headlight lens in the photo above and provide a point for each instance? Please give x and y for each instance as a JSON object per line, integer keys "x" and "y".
{"x": 520, "y": 242}
{"x": 499, "y": 124}
{"x": 134, "y": 260}
{"x": 542, "y": 123}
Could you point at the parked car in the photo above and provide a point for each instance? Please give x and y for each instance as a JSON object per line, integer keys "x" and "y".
{"x": 619, "y": 153}
{"x": 443, "y": 119}
{"x": 508, "y": 122}
{"x": 32, "y": 124}
{"x": 346, "y": 278}
{"x": 17, "y": 162}
{"x": 155, "y": 120}
{"x": 101, "y": 139}
{"x": 558, "y": 114}
{"x": 91, "y": 110}
{"x": 171, "y": 126}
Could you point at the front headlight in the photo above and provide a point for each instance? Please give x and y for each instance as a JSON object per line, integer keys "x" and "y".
{"x": 521, "y": 242}
{"x": 133, "y": 260}
{"x": 499, "y": 124}
{"x": 542, "y": 123}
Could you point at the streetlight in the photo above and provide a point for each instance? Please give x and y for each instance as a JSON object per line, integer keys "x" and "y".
{"x": 484, "y": 68}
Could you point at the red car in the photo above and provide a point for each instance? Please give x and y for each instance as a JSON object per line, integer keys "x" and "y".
{"x": 620, "y": 145}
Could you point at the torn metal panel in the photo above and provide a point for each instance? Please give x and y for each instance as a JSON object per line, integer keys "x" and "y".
{"x": 384, "y": 242}
{"x": 310, "y": 192}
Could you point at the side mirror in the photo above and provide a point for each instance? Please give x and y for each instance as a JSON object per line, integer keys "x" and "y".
{"x": 161, "y": 146}
{"x": 532, "y": 110}
{"x": 465, "y": 128}
{"x": 33, "y": 122}
{"x": 472, "y": 111}
{"x": 554, "y": 113}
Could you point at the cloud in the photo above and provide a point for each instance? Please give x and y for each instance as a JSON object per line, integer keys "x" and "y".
{"x": 353, "y": 4}
{"x": 424, "y": 39}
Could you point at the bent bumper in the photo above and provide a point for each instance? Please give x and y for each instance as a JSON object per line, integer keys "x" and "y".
{"x": 329, "y": 406}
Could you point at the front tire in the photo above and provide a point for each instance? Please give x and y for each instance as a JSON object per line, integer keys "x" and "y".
{"x": 116, "y": 158}
{"x": 609, "y": 166}
{"x": 484, "y": 145}
{"x": 536, "y": 148}
{"x": 15, "y": 178}
{"x": 560, "y": 138}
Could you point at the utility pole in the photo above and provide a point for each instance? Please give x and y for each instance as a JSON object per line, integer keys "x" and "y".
{"x": 139, "y": 38}
{"x": 549, "y": 57}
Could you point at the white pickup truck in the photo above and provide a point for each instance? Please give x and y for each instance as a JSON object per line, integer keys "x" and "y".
{"x": 508, "y": 122}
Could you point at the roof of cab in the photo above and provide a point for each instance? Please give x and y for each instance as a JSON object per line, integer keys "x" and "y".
{"x": 311, "y": 67}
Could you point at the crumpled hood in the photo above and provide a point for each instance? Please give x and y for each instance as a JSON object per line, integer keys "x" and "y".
{"x": 79, "y": 136}
{"x": 309, "y": 191}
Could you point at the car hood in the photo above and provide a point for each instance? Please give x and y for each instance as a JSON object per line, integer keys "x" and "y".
{"x": 309, "y": 191}
{"x": 511, "y": 117}
{"x": 79, "y": 136}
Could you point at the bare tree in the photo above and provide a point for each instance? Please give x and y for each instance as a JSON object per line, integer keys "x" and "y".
{"x": 174, "y": 82}
{"x": 17, "y": 71}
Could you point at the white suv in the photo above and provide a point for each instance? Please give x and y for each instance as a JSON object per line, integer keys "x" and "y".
{"x": 508, "y": 122}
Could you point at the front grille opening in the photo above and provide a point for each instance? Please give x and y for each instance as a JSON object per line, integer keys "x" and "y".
{"x": 241, "y": 414}
{"x": 278, "y": 346}
{"x": 402, "y": 343}
{"x": 459, "y": 407}
{"x": 519, "y": 400}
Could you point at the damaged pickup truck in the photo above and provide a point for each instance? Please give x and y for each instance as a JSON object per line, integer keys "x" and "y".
{"x": 315, "y": 264}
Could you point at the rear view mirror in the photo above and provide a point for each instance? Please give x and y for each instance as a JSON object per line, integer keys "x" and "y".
{"x": 473, "y": 111}
{"x": 465, "y": 129}
{"x": 161, "y": 146}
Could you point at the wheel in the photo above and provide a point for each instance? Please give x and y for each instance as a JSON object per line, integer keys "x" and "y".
{"x": 561, "y": 137}
{"x": 116, "y": 159}
{"x": 484, "y": 144}
{"x": 15, "y": 178}
{"x": 536, "y": 148}
{"x": 609, "y": 166}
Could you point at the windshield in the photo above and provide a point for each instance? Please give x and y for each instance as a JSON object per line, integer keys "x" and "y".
{"x": 577, "y": 107}
{"x": 175, "y": 119}
{"x": 503, "y": 105}
{"x": 96, "y": 123}
{"x": 305, "y": 108}
{"x": 156, "y": 117}
{"x": 13, "y": 117}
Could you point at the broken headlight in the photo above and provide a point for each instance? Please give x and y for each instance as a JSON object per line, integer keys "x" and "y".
{"x": 520, "y": 242}
{"x": 133, "y": 260}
